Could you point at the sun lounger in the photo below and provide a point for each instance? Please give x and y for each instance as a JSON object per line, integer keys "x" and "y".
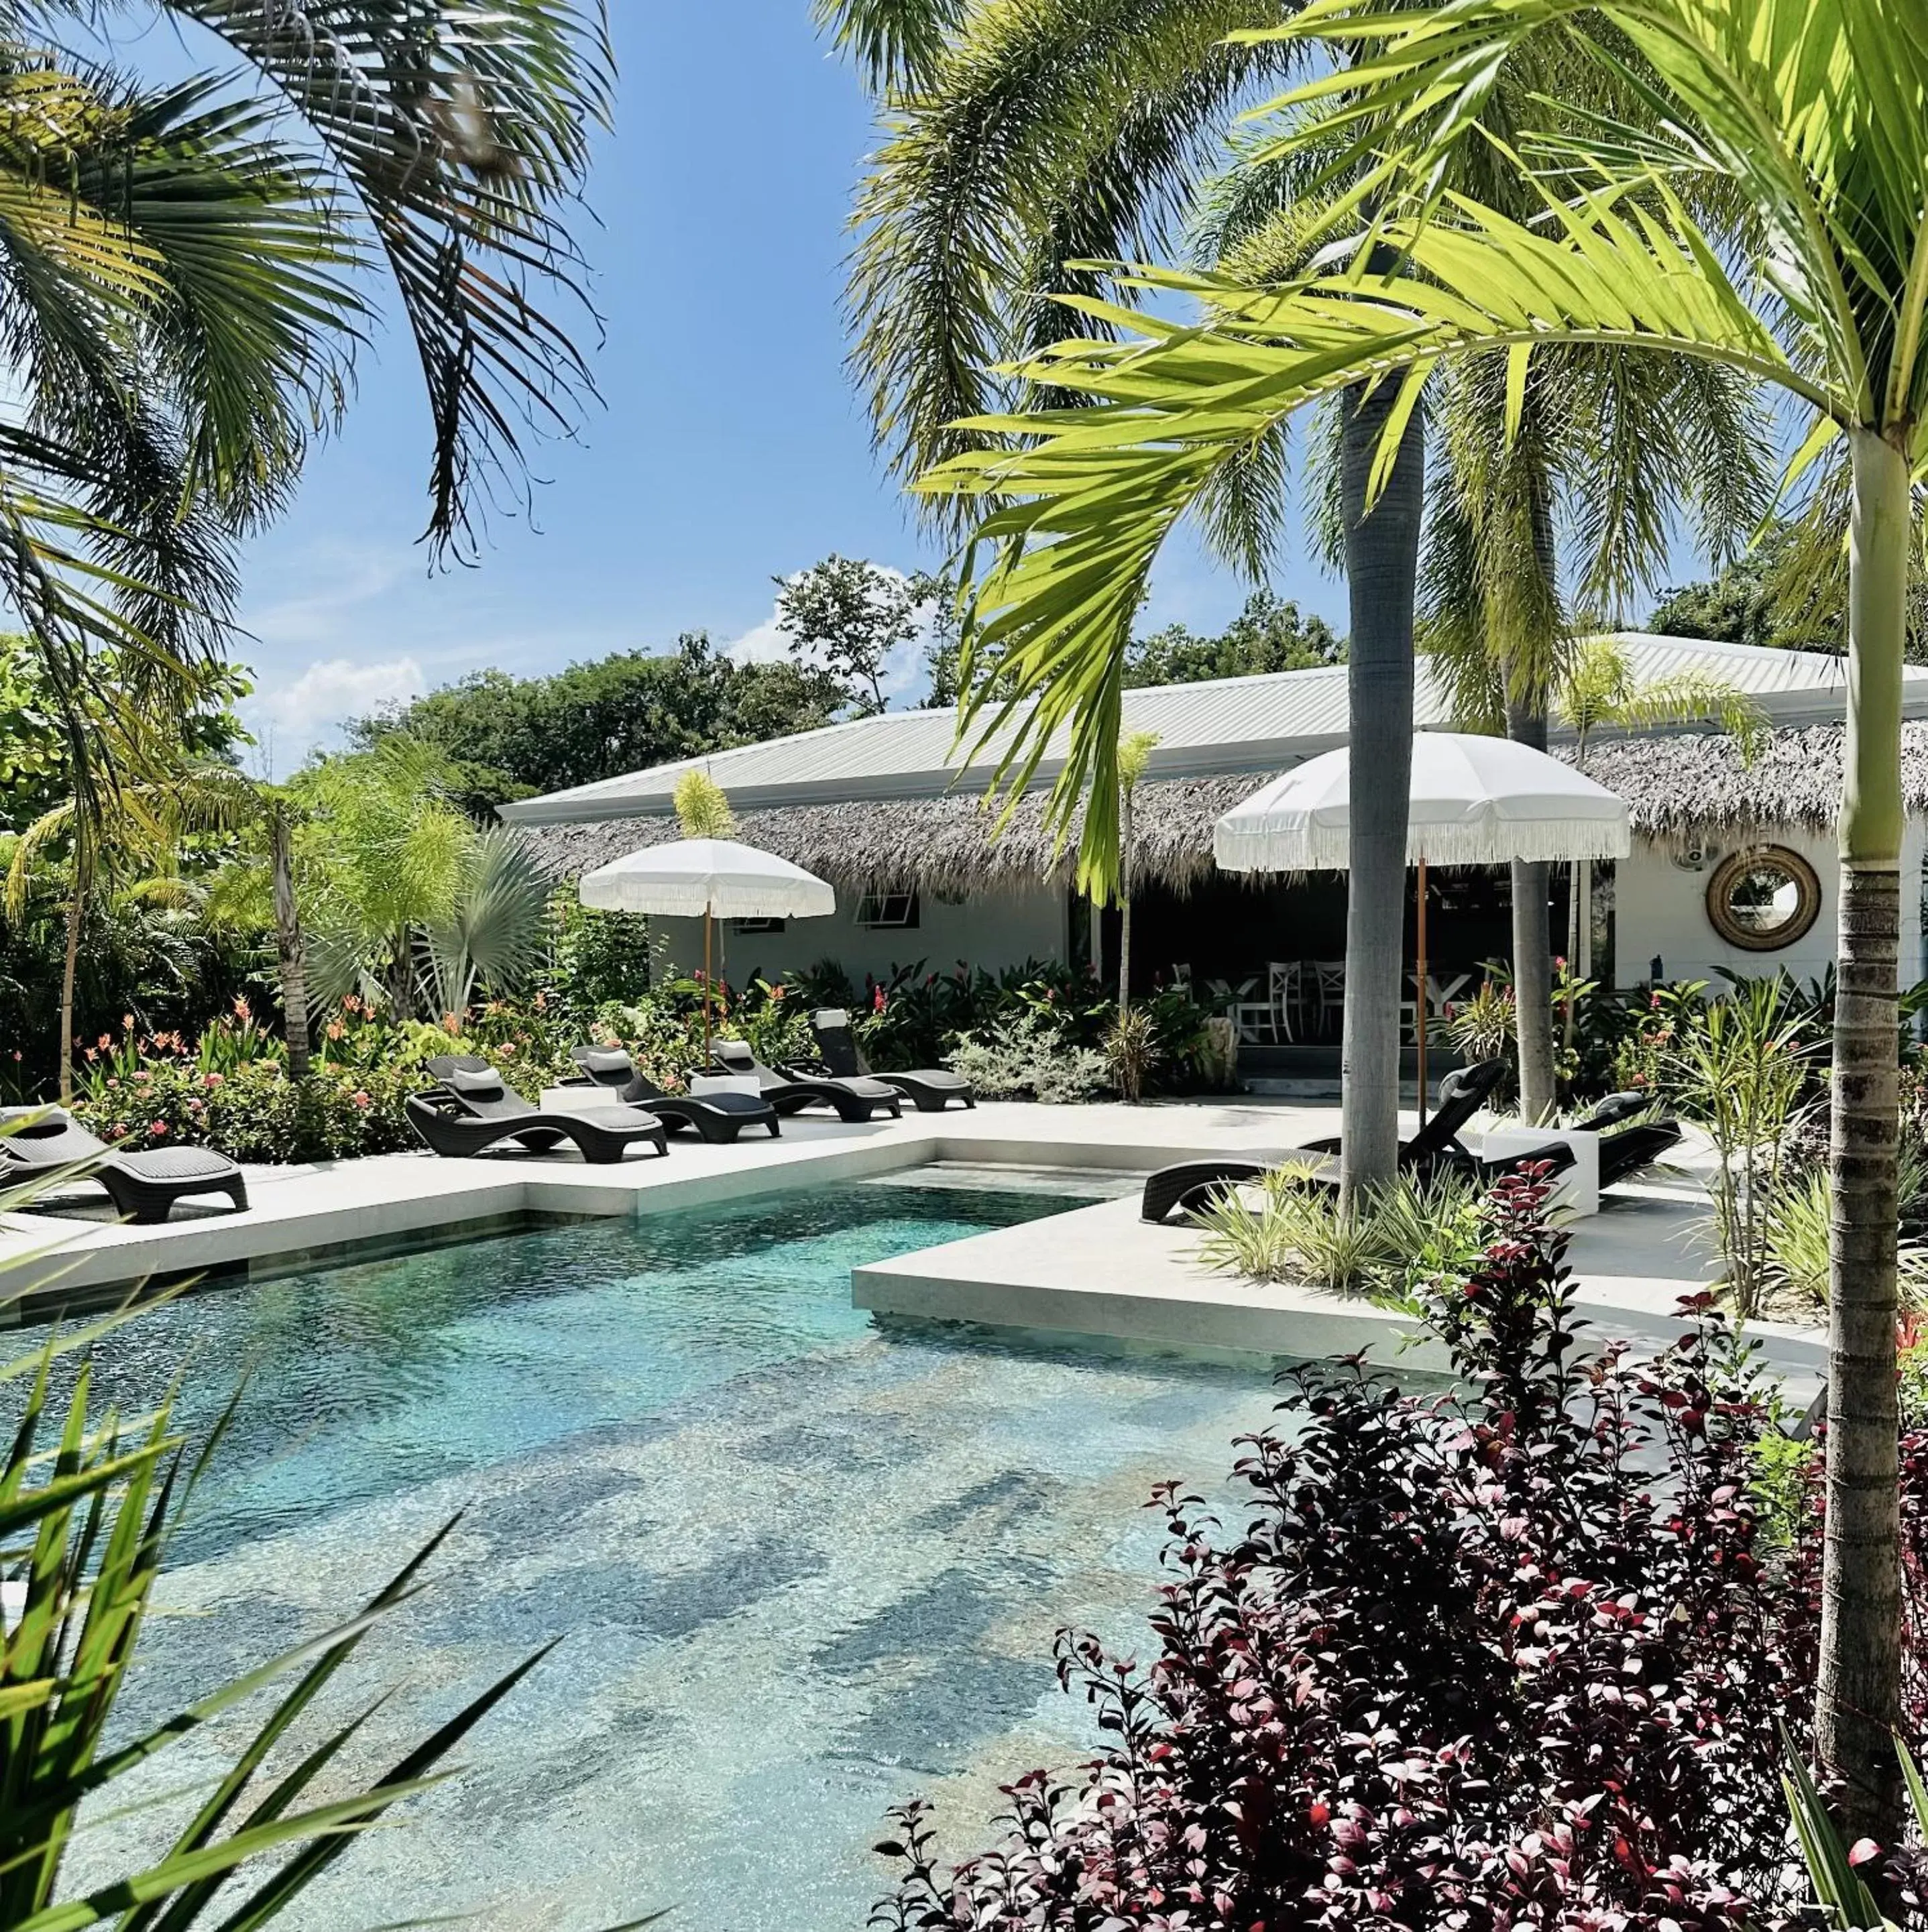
{"x": 854, "y": 1099}
{"x": 932, "y": 1089}
{"x": 472, "y": 1109}
{"x": 716, "y": 1116}
{"x": 143, "y": 1183}
{"x": 1626, "y": 1150}
{"x": 1436, "y": 1148}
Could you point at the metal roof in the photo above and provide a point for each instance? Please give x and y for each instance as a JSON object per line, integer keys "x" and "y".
{"x": 1258, "y": 725}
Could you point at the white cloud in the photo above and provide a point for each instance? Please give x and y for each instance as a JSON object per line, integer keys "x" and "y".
{"x": 290, "y": 720}
{"x": 765, "y": 644}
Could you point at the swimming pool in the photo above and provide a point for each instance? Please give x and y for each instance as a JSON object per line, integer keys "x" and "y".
{"x": 803, "y": 1567}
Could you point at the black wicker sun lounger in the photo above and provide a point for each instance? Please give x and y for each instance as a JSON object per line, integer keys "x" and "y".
{"x": 471, "y": 1109}
{"x": 854, "y": 1099}
{"x": 932, "y": 1088}
{"x": 1625, "y": 1150}
{"x": 716, "y": 1116}
{"x": 1436, "y": 1148}
{"x": 143, "y": 1183}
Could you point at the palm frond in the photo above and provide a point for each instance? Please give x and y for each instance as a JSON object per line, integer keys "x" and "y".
{"x": 1047, "y": 134}
{"x": 897, "y": 44}
{"x": 461, "y": 134}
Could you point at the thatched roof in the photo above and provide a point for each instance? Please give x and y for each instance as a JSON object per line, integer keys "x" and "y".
{"x": 941, "y": 845}
{"x": 1686, "y": 787}
{"x": 1682, "y": 787}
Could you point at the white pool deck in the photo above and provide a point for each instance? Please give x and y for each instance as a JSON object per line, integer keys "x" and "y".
{"x": 1093, "y": 1271}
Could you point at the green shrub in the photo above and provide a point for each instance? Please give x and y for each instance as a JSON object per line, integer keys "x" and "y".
{"x": 1031, "y": 1058}
{"x": 1400, "y": 1237}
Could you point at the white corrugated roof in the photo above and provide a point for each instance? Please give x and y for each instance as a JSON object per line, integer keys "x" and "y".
{"x": 1257, "y": 724}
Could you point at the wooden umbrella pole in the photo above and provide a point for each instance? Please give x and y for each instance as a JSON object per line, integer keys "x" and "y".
{"x": 706, "y": 924}
{"x": 1420, "y": 1005}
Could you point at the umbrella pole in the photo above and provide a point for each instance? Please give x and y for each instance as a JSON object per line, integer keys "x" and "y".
{"x": 706, "y": 985}
{"x": 1419, "y": 1005}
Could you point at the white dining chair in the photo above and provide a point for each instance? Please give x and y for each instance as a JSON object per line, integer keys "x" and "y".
{"x": 1331, "y": 975}
{"x": 1285, "y": 980}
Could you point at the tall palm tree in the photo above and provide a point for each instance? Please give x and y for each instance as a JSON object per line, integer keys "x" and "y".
{"x": 1778, "y": 99}
{"x": 1025, "y": 136}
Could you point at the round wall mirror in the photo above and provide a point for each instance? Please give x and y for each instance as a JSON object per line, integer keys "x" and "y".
{"x": 1763, "y": 898}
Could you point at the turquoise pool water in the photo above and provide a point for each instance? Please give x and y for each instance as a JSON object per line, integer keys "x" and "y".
{"x": 801, "y": 1568}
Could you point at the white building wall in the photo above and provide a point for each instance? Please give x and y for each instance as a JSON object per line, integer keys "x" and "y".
{"x": 994, "y": 930}
{"x": 1660, "y": 909}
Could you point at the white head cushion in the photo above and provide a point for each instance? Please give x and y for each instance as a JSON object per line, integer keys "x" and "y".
{"x": 482, "y": 1083}
{"x": 612, "y": 1060}
{"x": 832, "y": 1016}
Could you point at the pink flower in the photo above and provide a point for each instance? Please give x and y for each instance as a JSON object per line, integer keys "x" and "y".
{"x": 159, "y": 1128}
{"x": 143, "y": 1074}
{"x": 361, "y": 1100}
{"x": 876, "y": 1003}
{"x": 242, "y": 1010}
{"x": 193, "y": 1106}
{"x": 335, "y": 1029}
{"x": 214, "y": 1080}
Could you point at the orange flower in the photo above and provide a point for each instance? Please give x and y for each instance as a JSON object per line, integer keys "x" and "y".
{"x": 159, "y": 1128}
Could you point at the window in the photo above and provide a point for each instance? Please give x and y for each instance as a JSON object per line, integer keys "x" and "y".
{"x": 756, "y": 925}
{"x": 888, "y": 911}
{"x": 1763, "y": 899}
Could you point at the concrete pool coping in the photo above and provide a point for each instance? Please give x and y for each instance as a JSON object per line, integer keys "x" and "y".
{"x": 1093, "y": 1271}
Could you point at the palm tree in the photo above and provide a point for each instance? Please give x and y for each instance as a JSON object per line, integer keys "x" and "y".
{"x": 1606, "y": 447}
{"x": 1598, "y": 690}
{"x": 1134, "y": 760}
{"x": 186, "y": 289}
{"x": 1831, "y": 171}
{"x": 1022, "y": 141}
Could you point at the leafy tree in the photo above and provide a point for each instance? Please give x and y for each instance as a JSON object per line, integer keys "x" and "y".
{"x": 1813, "y": 116}
{"x": 1789, "y": 592}
{"x": 1268, "y": 634}
{"x": 506, "y": 737}
{"x": 843, "y": 618}
{"x": 124, "y": 836}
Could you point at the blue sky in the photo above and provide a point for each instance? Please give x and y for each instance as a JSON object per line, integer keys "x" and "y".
{"x": 730, "y": 448}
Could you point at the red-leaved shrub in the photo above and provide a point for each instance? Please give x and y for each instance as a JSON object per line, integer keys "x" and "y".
{"x": 1516, "y": 1657}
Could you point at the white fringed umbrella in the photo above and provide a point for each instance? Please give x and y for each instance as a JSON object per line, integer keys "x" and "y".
{"x": 1475, "y": 801}
{"x": 709, "y": 879}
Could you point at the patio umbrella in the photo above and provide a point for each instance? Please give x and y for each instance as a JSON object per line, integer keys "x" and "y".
{"x": 1475, "y": 801}
{"x": 711, "y": 878}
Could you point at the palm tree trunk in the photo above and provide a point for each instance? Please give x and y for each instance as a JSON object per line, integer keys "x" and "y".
{"x": 1381, "y": 565}
{"x": 1124, "y": 902}
{"x": 1859, "y": 1700}
{"x": 1532, "y": 957}
{"x": 76, "y": 905}
{"x": 288, "y": 947}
